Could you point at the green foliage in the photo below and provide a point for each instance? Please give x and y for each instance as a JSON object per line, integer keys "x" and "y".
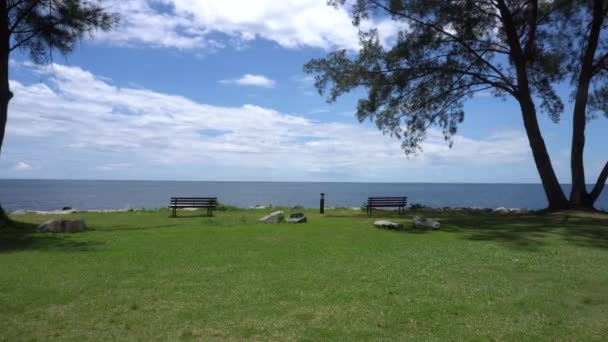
{"x": 145, "y": 276}
{"x": 364, "y": 206}
{"x": 40, "y": 26}
{"x": 226, "y": 207}
{"x": 447, "y": 51}
{"x": 417, "y": 206}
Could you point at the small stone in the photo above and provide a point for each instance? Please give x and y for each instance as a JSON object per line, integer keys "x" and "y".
{"x": 424, "y": 223}
{"x": 63, "y": 226}
{"x": 275, "y": 217}
{"x": 388, "y": 225}
{"x": 296, "y": 218}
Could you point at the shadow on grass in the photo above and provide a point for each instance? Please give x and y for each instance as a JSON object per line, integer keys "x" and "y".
{"x": 531, "y": 231}
{"x": 19, "y": 236}
{"x": 527, "y": 232}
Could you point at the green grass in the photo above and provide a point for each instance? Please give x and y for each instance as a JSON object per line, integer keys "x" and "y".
{"x": 144, "y": 276}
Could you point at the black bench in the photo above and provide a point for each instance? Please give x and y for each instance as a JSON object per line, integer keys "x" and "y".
{"x": 386, "y": 202}
{"x": 193, "y": 202}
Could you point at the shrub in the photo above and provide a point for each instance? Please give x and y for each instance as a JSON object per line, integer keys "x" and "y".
{"x": 415, "y": 206}
{"x": 225, "y": 207}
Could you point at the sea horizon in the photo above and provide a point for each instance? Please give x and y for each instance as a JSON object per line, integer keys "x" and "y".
{"x": 96, "y": 194}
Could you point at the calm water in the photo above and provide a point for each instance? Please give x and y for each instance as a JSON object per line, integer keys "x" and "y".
{"x": 83, "y": 194}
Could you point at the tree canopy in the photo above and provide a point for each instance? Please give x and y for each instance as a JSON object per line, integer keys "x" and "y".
{"x": 451, "y": 50}
{"x": 40, "y": 26}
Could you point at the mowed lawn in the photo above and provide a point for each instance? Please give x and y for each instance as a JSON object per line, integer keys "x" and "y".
{"x": 144, "y": 276}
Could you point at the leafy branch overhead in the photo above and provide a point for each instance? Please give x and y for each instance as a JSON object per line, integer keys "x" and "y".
{"x": 40, "y": 26}
{"x": 449, "y": 51}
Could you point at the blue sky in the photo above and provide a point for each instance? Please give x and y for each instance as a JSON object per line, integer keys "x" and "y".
{"x": 214, "y": 90}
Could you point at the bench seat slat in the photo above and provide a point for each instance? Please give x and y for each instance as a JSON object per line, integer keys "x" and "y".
{"x": 209, "y": 203}
{"x": 386, "y": 202}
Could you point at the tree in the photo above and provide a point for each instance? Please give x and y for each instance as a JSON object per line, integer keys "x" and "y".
{"x": 452, "y": 49}
{"x": 38, "y": 27}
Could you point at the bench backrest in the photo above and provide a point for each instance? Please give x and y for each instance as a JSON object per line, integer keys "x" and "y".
{"x": 194, "y": 201}
{"x": 387, "y": 201}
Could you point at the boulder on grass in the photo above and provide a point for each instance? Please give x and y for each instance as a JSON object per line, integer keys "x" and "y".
{"x": 275, "y": 217}
{"x": 296, "y": 218}
{"x": 424, "y": 223}
{"x": 63, "y": 226}
{"x": 388, "y": 225}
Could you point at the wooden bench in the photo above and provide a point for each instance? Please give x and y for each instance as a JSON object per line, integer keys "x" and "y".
{"x": 210, "y": 203}
{"x": 386, "y": 202}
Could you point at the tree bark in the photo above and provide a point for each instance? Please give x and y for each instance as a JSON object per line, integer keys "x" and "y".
{"x": 579, "y": 197}
{"x": 5, "y": 91}
{"x": 599, "y": 185}
{"x": 556, "y": 197}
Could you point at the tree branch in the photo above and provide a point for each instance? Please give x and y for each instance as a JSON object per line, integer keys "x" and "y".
{"x": 505, "y": 79}
{"x": 531, "y": 37}
{"x": 23, "y": 41}
{"x": 24, "y": 15}
{"x": 599, "y": 185}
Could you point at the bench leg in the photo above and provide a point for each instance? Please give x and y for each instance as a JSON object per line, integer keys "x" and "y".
{"x": 174, "y": 212}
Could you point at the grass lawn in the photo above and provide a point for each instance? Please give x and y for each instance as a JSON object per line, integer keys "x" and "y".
{"x": 144, "y": 276}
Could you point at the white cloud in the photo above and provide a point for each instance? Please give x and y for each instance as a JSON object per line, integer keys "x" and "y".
{"x": 114, "y": 166}
{"x": 211, "y": 24}
{"x": 251, "y": 80}
{"x": 84, "y": 114}
{"x": 22, "y": 166}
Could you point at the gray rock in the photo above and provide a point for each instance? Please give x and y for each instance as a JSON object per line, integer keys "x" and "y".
{"x": 275, "y": 217}
{"x": 63, "y": 226}
{"x": 296, "y": 218}
{"x": 424, "y": 223}
{"x": 388, "y": 225}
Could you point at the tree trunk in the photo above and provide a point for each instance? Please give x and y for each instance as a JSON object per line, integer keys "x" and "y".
{"x": 5, "y": 91}
{"x": 580, "y": 198}
{"x": 555, "y": 194}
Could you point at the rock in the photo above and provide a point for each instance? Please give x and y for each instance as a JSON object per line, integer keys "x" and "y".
{"x": 66, "y": 208}
{"x": 388, "y": 225}
{"x": 296, "y": 218}
{"x": 63, "y": 226}
{"x": 424, "y": 223}
{"x": 275, "y": 217}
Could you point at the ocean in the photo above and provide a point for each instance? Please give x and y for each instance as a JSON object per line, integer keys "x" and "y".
{"x": 106, "y": 194}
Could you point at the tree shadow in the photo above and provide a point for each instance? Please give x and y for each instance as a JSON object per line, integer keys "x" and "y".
{"x": 20, "y": 236}
{"x": 522, "y": 231}
{"x": 531, "y": 231}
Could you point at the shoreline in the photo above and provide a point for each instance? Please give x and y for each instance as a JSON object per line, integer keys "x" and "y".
{"x": 499, "y": 210}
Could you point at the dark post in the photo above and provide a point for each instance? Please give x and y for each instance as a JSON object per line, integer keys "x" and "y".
{"x": 322, "y": 204}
